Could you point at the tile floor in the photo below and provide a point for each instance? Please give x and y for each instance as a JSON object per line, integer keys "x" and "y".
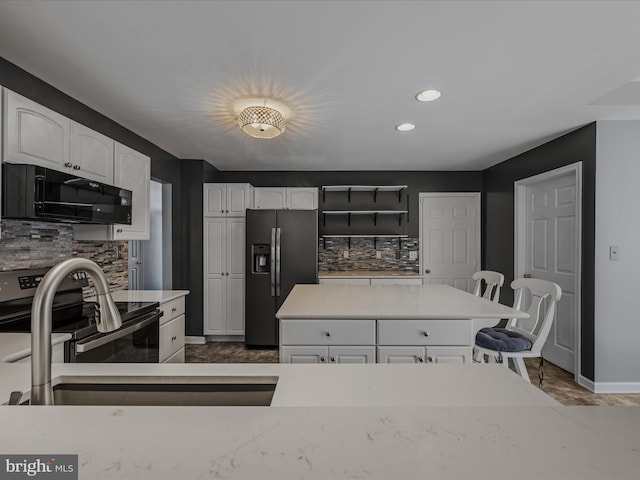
{"x": 557, "y": 383}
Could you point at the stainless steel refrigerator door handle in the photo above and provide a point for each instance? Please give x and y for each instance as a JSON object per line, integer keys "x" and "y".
{"x": 279, "y": 260}
{"x": 273, "y": 262}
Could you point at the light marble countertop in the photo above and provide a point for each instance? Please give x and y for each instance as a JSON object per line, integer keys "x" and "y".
{"x": 526, "y": 443}
{"x": 14, "y": 346}
{"x": 369, "y": 274}
{"x": 160, "y": 296}
{"x": 335, "y": 421}
{"x": 389, "y": 302}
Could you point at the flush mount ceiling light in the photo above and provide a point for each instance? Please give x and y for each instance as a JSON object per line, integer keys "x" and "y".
{"x": 428, "y": 95}
{"x": 261, "y": 121}
{"x": 405, "y": 127}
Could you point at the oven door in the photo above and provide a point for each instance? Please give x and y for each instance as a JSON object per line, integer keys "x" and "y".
{"x": 136, "y": 342}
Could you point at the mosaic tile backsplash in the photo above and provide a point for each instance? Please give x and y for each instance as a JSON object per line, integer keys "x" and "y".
{"x": 362, "y": 254}
{"x": 41, "y": 244}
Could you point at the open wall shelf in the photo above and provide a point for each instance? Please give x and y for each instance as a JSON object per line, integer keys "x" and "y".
{"x": 363, "y": 188}
{"x": 359, "y": 235}
{"x": 374, "y": 213}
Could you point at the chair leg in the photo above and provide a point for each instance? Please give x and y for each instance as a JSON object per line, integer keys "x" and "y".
{"x": 521, "y": 368}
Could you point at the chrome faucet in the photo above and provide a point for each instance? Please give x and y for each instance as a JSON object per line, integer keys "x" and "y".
{"x": 107, "y": 320}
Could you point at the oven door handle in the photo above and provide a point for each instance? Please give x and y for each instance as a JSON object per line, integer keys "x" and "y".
{"x": 98, "y": 342}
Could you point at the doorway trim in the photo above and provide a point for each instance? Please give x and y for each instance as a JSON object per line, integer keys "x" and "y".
{"x": 519, "y": 249}
{"x": 478, "y": 197}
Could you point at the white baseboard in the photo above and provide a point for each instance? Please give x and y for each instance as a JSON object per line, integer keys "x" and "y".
{"x": 610, "y": 387}
{"x": 195, "y": 340}
{"x": 224, "y": 338}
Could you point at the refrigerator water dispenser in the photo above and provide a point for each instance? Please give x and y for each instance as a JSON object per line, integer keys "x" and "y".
{"x": 261, "y": 258}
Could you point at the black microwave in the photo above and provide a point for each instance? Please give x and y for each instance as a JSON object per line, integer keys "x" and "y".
{"x": 39, "y": 193}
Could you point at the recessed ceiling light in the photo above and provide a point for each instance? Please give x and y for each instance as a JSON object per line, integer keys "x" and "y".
{"x": 405, "y": 127}
{"x": 428, "y": 95}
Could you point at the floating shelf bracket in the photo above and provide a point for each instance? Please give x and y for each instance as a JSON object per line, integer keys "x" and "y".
{"x": 375, "y": 219}
{"x": 349, "y": 194}
{"x": 375, "y": 194}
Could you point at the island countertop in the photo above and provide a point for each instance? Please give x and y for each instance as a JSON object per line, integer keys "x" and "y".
{"x": 160, "y": 296}
{"x": 15, "y": 345}
{"x": 389, "y": 302}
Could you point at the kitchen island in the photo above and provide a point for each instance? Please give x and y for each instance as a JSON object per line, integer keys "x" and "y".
{"x": 383, "y": 323}
{"x": 451, "y": 433}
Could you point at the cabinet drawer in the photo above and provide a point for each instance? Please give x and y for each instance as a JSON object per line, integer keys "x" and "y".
{"x": 171, "y": 310}
{"x": 171, "y": 337}
{"x": 177, "y": 357}
{"x": 328, "y": 332}
{"x": 424, "y": 332}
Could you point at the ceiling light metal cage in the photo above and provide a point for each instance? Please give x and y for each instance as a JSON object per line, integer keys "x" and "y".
{"x": 261, "y": 122}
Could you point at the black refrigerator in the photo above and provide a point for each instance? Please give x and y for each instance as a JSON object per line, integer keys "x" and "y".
{"x": 282, "y": 250}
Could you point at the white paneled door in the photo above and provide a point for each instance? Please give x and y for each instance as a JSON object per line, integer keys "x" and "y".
{"x": 450, "y": 238}
{"x": 550, "y": 245}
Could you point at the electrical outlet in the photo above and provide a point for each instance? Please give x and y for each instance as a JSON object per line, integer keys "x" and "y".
{"x": 614, "y": 253}
{"x": 378, "y": 253}
{"x": 413, "y": 255}
{"x": 345, "y": 254}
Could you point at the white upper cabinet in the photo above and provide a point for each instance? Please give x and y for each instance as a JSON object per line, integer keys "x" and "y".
{"x": 34, "y": 134}
{"x": 92, "y": 154}
{"x": 271, "y": 198}
{"x": 301, "y": 198}
{"x": 227, "y": 199}
{"x": 132, "y": 170}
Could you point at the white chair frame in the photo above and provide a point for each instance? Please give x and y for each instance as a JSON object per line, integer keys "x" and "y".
{"x": 493, "y": 282}
{"x": 535, "y": 328}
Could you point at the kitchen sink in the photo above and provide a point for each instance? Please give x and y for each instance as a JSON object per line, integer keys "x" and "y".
{"x": 162, "y": 390}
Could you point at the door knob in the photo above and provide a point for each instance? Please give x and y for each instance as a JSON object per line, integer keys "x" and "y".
{"x": 527, "y": 275}
{"x": 427, "y": 270}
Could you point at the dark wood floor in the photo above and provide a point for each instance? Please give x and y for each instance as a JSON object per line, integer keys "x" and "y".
{"x": 557, "y": 383}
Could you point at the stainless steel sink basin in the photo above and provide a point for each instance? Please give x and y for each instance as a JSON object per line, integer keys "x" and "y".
{"x": 163, "y": 390}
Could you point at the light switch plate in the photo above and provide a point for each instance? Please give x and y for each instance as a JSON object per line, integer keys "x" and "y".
{"x": 413, "y": 255}
{"x": 614, "y": 252}
{"x": 345, "y": 254}
{"x": 378, "y": 253}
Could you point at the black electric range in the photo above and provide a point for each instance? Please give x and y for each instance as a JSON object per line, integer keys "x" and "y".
{"x": 71, "y": 314}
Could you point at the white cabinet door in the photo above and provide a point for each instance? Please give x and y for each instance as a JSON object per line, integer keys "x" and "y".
{"x": 239, "y": 198}
{"x": 215, "y": 246}
{"x": 401, "y": 354}
{"x": 214, "y": 306}
{"x": 449, "y": 354}
{"x": 35, "y": 134}
{"x": 171, "y": 337}
{"x": 133, "y": 172}
{"x": 302, "y": 198}
{"x": 270, "y": 198}
{"x": 92, "y": 154}
{"x": 235, "y": 305}
{"x": 235, "y": 251}
{"x": 215, "y": 199}
{"x": 352, "y": 354}
{"x": 303, "y": 354}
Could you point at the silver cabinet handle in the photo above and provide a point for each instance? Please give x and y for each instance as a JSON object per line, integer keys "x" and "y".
{"x": 322, "y": 359}
{"x": 119, "y": 230}
{"x": 427, "y": 270}
{"x": 333, "y": 359}
{"x": 68, "y": 164}
{"x": 420, "y": 359}
{"x": 76, "y": 167}
{"x": 328, "y": 334}
{"x": 426, "y": 334}
{"x": 174, "y": 309}
{"x": 430, "y": 359}
{"x": 174, "y": 338}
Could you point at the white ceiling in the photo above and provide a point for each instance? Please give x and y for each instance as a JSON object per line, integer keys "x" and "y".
{"x": 513, "y": 74}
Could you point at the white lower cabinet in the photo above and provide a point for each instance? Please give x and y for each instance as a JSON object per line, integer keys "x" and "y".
{"x": 371, "y": 341}
{"x": 172, "y": 331}
{"x": 418, "y": 354}
{"x": 337, "y": 354}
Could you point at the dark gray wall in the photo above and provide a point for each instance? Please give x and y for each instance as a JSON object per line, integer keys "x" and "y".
{"x": 498, "y": 217}
{"x": 164, "y": 166}
{"x": 417, "y": 181}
